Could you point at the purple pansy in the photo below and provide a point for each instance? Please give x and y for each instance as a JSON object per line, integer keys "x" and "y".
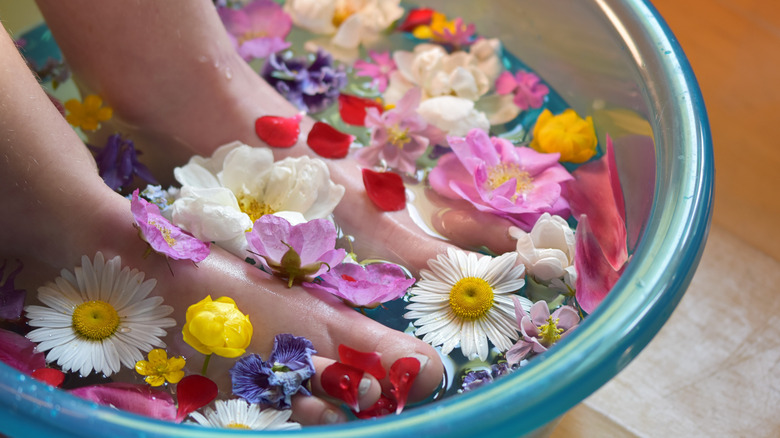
{"x": 11, "y": 298}
{"x": 311, "y": 85}
{"x": 379, "y": 70}
{"x": 475, "y": 379}
{"x": 540, "y": 330}
{"x": 517, "y": 183}
{"x": 118, "y": 163}
{"x": 527, "y": 87}
{"x": 399, "y": 136}
{"x": 296, "y": 252}
{"x": 258, "y": 29}
{"x": 164, "y": 237}
{"x": 274, "y": 382}
{"x": 364, "y": 286}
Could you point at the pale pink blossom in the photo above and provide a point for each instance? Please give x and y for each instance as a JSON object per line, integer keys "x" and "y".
{"x": 379, "y": 70}
{"x": 258, "y": 29}
{"x": 528, "y": 90}
{"x": 540, "y": 330}
{"x": 364, "y": 286}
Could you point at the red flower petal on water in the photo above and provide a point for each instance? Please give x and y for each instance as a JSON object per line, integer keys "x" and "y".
{"x": 49, "y": 375}
{"x": 342, "y": 381}
{"x": 279, "y": 132}
{"x": 595, "y": 274}
{"x": 384, "y": 406}
{"x": 416, "y": 17}
{"x": 385, "y": 189}
{"x": 353, "y": 109}
{"x": 368, "y": 362}
{"x": 194, "y": 392}
{"x": 402, "y": 375}
{"x": 329, "y": 142}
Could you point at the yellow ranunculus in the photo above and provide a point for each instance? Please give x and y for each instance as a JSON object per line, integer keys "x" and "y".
{"x": 160, "y": 368}
{"x": 89, "y": 114}
{"x": 217, "y": 327}
{"x": 567, "y": 133}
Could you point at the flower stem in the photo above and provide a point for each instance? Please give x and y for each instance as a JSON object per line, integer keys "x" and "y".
{"x": 206, "y": 364}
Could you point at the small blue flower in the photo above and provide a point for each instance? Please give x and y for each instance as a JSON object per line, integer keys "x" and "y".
{"x": 118, "y": 163}
{"x": 312, "y": 86}
{"x": 273, "y": 383}
{"x": 475, "y": 379}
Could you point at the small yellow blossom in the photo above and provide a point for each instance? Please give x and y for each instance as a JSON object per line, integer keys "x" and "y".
{"x": 89, "y": 114}
{"x": 567, "y": 133}
{"x": 217, "y": 327}
{"x": 160, "y": 368}
{"x": 438, "y": 24}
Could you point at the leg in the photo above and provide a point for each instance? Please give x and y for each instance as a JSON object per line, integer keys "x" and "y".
{"x": 56, "y": 208}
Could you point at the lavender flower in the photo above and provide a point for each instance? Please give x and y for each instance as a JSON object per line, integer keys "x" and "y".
{"x": 311, "y": 85}
{"x": 475, "y": 379}
{"x": 274, "y": 382}
{"x": 11, "y": 298}
{"x": 540, "y": 330}
{"x": 118, "y": 163}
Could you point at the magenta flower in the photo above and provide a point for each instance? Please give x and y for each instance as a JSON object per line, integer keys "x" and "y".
{"x": 19, "y": 352}
{"x": 540, "y": 330}
{"x": 297, "y": 252}
{"x": 528, "y": 89}
{"x": 138, "y": 399}
{"x": 399, "y": 136}
{"x": 457, "y": 36}
{"x": 364, "y": 286}
{"x": 517, "y": 183}
{"x": 164, "y": 237}
{"x": 258, "y": 29}
{"x": 379, "y": 70}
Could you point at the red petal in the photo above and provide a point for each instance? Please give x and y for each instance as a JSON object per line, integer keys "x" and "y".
{"x": 595, "y": 275}
{"x": 342, "y": 381}
{"x": 402, "y": 375}
{"x": 353, "y": 109}
{"x": 596, "y": 193}
{"x": 49, "y": 375}
{"x": 416, "y": 17}
{"x": 384, "y": 406}
{"x": 279, "y": 132}
{"x": 385, "y": 189}
{"x": 194, "y": 392}
{"x": 328, "y": 142}
{"x": 368, "y": 362}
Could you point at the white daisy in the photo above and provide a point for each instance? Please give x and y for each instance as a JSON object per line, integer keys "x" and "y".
{"x": 238, "y": 414}
{"x": 467, "y": 299}
{"x": 98, "y": 317}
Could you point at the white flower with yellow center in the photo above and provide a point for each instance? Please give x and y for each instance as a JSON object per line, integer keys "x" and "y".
{"x": 98, "y": 317}
{"x": 222, "y": 196}
{"x": 238, "y": 414}
{"x": 465, "y": 299}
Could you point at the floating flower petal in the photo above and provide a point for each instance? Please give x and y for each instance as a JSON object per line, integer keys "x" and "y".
{"x": 193, "y": 392}
{"x": 342, "y": 382}
{"x": 540, "y": 330}
{"x": 329, "y": 142}
{"x": 118, "y": 163}
{"x": 160, "y": 369}
{"x": 279, "y": 132}
{"x": 138, "y": 399}
{"x": 352, "y": 109}
{"x": 385, "y": 189}
{"x": 370, "y": 363}
{"x": 379, "y": 70}
{"x": 567, "y": 134}
{"x": 258, "y": 29}
{"x": 89, "y": 114}
{"x": 19, "y": 352}
{"x": 402, "y": 374}
{"x": 364, "y": 286}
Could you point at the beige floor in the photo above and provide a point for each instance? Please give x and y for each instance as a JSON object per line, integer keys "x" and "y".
{"x": 713, "y": 370}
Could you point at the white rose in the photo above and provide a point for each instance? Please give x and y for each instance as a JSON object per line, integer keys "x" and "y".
{"x": 548, "y": 250}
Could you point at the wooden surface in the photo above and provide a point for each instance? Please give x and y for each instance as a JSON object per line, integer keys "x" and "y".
{"x": 714, "y": 369}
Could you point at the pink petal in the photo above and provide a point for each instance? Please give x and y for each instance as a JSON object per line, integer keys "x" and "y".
{"x": 449, "y": 169}
{"x": 313, "y": 239}
{"x": 595, "y": 275}
{"x": 194, "y": 392}
{"x": 260, "y": 48}
{"x": 138, "y": 399}
{"x": 595, "y": 193}
{"x": 267, "y": 236}
{"x": 19, "y": 353}
{"x": 505, "y": 83}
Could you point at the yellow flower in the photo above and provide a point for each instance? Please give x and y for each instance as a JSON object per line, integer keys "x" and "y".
{"x": 89, "y": 114}
{"x": 217, "y": 327}
{"x": 159, "y": 368}
{"x": 566, "y": 133}
{"x": 438, "y": 24}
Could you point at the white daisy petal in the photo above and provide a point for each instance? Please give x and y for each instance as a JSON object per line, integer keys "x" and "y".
{"x": 237, "y": 412}
{"x": 127, "y": 321}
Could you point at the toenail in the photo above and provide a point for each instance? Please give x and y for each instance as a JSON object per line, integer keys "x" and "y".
{"x": 331, "y": 417}
{"x": 365, "y": 385}
{"x": 422, "y": 358}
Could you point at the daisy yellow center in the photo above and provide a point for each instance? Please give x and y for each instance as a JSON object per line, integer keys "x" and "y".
{"x": 166, "y": 233}
{"x": 501, "y": 173}
{"x": 398, "y": 137}
{"x": 471, "y": 298}
{"x": 237, "y": 426}
{"x": 95, "y": 320}
{"x": 549, "y": 333}
{"x": 253, "y": 208}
